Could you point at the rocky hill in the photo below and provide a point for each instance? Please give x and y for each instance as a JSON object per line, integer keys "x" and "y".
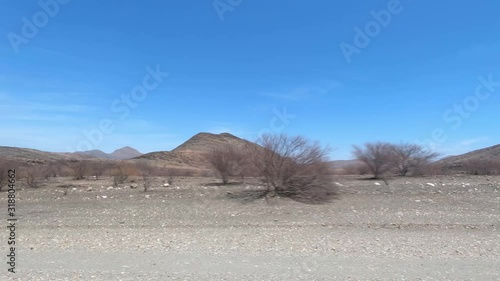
{"x": 490, "y": 154}
{"x": 192, "y": 153}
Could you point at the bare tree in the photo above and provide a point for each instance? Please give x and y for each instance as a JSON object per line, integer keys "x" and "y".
{"x": 294, "y": 166}
{"x": 32, "y": 177}
{"x": 98, "y": 168}
{"x": 79, "y": 168}
{"x": 481, "y": 167}
{"x": 227, "y": 161}
{"x": 146, "y": 172}
{"x": 379, "y": 157}
{"x": 409, "y": 157}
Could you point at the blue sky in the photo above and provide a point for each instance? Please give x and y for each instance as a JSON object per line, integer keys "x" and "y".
{"x": 248, "y": 67}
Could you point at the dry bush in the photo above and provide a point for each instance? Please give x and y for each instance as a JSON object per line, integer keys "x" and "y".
{"x": 294, "y": 167}
{"x": 481, "y": 167}
{"x": 79, "y": 168}
{"x": 356, "y": 169}
{"x": 32, "y": 175}
{"x": 98, "y": 168}
{"x": 3, "y": 174}
{"x": 146, "y": 172}
{"x": 227, "y": 161}
{"x": 412, "y": 157}
{"x": 379, "y": 157}
{"x": 430, "y": 169}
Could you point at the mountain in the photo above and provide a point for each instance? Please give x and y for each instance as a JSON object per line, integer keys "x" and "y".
{"x": 192, "y": 153}
{"x": 94, "y": 154}
{"x": 36, "y": 156}
{"x": 125, "y": 153}
{"x": 33, "y": 155}
{"x": 491, "y": 153}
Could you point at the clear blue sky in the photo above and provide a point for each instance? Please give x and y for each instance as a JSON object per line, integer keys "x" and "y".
{"x": 232, "y": 68}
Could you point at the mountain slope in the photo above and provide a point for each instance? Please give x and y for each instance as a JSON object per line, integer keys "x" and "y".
{"x": 124, "y": 153}
{"x": 488, "y": 153}
{"x": 192, "y": 153}
{"x": 27, "y": 154}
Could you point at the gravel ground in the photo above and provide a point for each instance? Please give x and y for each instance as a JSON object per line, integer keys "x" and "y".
{"x": 440, "y": 228}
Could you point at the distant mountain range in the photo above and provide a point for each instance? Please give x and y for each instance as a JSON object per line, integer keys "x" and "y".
{"x": 119, "y": 154}
{"x": 192, "y": 153}
{"x": 27, "y": 154}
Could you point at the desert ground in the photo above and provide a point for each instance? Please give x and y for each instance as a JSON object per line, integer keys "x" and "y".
{"x": 437, "y": 228}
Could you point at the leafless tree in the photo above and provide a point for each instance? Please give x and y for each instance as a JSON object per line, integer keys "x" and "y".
{"x": 481, "y": 167}
{"x": 32, "y": 177}
{"x": 146, "y": 171}
{"x": 294, "y": 166}
{"x": 121, "y": 173}
{"x": 227, "y": 161}
{"x": 409, "y": 157}
{"x": 98, "y": 168}
{"x": 379, "y": 157}
{"x": 79, "y": 168}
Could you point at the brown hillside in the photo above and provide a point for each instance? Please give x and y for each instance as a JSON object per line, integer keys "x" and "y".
{"x": 192, "y": 153}
{"x": 490, "y": 153}
{"x": 33, "y": 155}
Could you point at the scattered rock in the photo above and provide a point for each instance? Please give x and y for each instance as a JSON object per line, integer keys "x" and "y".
{"x": 431, "y": 184}
{"x": 377, "y": 183}
{"x": 89, "y": 188}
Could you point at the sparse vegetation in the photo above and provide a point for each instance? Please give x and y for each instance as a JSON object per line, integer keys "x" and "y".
{"x": 98, "y": 168}
{"x": 294, "y": 167}
{"x": 3, "y": 174}
{"x": 481, "y": 167}
{"x": 146, "y": 172}
{"x": 32, "y": 177}
{"x": 79, "y": 168}
{"x": 379, "y": 157}
{"x": 227, "y": 161}
{"x": 412, "y": 157}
